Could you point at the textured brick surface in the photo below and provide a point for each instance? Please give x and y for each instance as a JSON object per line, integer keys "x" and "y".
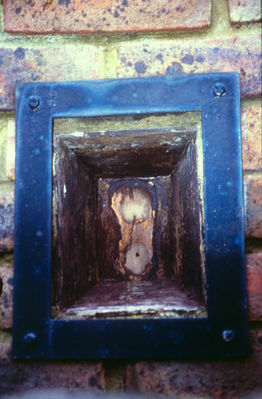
{"x": 254, "y": 206}
{"x": 3, "y": 144}
{"x": 6, "y": 297}
{"x": 6, "y": 220}
{"x": 7, "y": 149}
{"x": 20, "y": 377}
{"x": 217, "y": 379}
{"x": 252, "y": 138}
{"x": 242, "y": 11}
{"x": 254, "y": 284}
{"x": 44, "y": 64}
{"x": 10, "y": 150}
{"x": 5, "y": 351}
{"x": 46, "y": 59}
{"x": 188, "y": 379}
{"x": 108, "y": 16}
{"x": 5, "y": 345}
{"x": 239, "y": 54}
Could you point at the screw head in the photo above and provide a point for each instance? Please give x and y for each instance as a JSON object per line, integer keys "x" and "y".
{"x": 30, "y": 338}
{"x": 219, "y": 90}
{"x": 228, "y": 335}
{"x": 33, "y": 102}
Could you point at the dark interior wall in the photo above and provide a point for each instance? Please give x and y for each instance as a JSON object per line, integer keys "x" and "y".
{"x": 164, "y": 237}
{"x": 188, "y": 213}
{"x": 74, "y": 235}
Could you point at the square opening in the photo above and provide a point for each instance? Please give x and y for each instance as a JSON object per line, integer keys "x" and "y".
{"x": 128, "y": 224}
{"x": 147, "y": 224}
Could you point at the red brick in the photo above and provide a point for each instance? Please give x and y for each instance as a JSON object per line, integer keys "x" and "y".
{"x": 243, "y": 11}
{"x": 254, "y": 206}
{"x": 254, "y": 285}
{"x": 6, "y": 298}
{"x": 252, "y": 138}
{"x": 5, "y": 350}
{"x": 63, "y": 63}
{"x": 10, "y": 150}
{"x": 105, "y": 16}
{"x": 7, "y": 220}
{"x": 7, "y": 149}
{"x": 3, "y": 144}
{"x": 52, "y": 380}
{"x": 204, "y": 379}
{"x": 239, "y": 54}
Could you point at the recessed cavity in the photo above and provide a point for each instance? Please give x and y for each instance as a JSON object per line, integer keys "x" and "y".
{"x": 128, "y": 217}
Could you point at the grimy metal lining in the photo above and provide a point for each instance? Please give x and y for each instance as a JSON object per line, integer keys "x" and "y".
{"x": 224, "y": 332}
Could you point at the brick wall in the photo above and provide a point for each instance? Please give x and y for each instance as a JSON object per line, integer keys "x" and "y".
{"x": 64, "y": 40}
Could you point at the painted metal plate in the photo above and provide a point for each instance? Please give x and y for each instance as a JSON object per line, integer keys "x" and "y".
{"x": 224, "y": 332}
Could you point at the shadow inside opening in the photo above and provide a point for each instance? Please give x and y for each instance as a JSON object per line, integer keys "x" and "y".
{"x": 128, "y": 225}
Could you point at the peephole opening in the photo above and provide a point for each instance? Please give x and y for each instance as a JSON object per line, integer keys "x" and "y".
{"x": 128, "y": 219}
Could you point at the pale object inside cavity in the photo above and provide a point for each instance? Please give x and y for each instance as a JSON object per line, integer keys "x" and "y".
{"x": 133, "y": 208}
{"x": 136, "y": 208}
{"x": 138, "y": 257}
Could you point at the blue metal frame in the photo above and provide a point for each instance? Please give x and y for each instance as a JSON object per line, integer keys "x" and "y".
{"x": 224, "y": 332}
